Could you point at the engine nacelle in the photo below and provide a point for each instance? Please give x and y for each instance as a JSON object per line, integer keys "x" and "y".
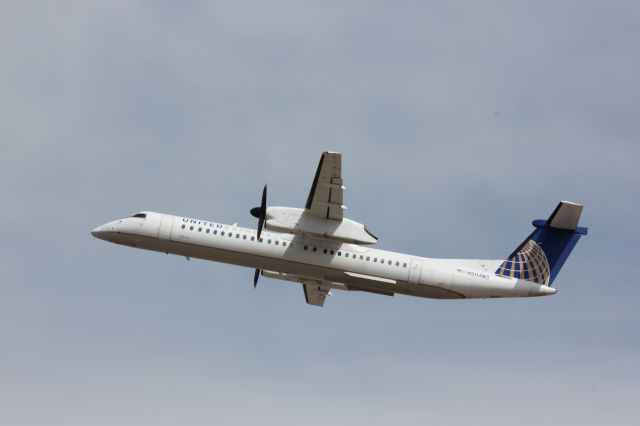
{"x": 296, "y": 221}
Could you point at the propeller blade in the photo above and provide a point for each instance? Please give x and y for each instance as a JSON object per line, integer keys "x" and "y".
{"x": 262, "y": 212}
{"x": 263, "y": 205}
{"x": 260, "y": 226}
{"x": 255, "y": 278}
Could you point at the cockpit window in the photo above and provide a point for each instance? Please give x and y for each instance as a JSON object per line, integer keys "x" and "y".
{"x": 140, "y": 215}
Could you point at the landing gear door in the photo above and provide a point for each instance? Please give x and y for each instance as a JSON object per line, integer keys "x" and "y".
{"x": 166, "y": 223}
{"x": 414, "y": 271}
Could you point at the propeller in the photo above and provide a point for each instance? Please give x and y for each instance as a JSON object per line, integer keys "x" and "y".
{"x": 261, "y": 214}
{"x": 255, "y": 278}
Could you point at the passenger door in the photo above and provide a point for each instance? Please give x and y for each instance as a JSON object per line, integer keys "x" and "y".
{"x": 166, "y": 223}
{"x": 414, "y": 271}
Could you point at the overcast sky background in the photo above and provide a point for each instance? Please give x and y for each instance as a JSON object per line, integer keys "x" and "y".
{"x": 458, "y": 123}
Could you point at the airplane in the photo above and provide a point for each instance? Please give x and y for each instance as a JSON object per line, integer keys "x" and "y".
{"x": 318, "y": 247}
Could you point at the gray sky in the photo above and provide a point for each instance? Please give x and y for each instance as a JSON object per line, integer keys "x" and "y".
{"x": 458, "y": 123}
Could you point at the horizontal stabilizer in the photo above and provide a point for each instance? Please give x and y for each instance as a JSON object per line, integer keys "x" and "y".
{"x": 565, "y": 216}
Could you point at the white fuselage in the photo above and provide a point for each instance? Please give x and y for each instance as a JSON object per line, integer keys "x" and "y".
{"x": 336, "y": 264}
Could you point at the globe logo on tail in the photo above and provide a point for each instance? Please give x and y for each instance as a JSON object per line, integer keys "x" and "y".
{"x": 528, "y": 262}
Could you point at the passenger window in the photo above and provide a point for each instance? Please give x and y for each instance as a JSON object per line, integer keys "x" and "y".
{"x": 306, "y": 247}
{"x": 361, "y": 257}
{"x": 230, "y": 234}
{"x": 191, "y": 228}
{"x": 397, "y": 263}
{"x": 339, "y": 253}
{"x": 237, "y": 235}
{"x": 222, "y": 233}
{"x": 382, "y": 261}
{"x": 208, "y": 230}
{"x": 354, "y": 255}
{"x": 183, "y": 226}
{"x": 324, "y": 251}
{"x": 404, "y": 265}
{"x": 284, "y": 244}
{"x": 390, "y": 262}
{"x": 315, "y": 249}
{"x": 269, "y": 241}
{"x": 253, "y": 238}
{"x": 200, "y": 229}
{"x": 244, "y": 237}
{"x": 331, "y": 252}
{"x": 261, "y": 239}
{"x": 368, "y": 258}
{"x": 215, "y": 231}
{"x": 375, "y": 259}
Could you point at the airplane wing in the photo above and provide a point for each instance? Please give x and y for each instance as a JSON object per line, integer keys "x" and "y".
{"x": 325, "y": 197}
{"x": 315, "y": 293}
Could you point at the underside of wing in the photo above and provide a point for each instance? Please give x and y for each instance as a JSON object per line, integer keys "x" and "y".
{"x": 326, "y": 194}
{"x": 315, "y": 291}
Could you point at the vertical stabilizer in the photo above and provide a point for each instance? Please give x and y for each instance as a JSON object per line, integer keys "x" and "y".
{"x": 541, "y": 255}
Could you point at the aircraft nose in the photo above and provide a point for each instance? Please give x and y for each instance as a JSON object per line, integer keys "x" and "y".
{"x": 99, "y": 232}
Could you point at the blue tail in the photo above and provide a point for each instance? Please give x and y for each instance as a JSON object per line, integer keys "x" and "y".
{"x": 540, "y": 257}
